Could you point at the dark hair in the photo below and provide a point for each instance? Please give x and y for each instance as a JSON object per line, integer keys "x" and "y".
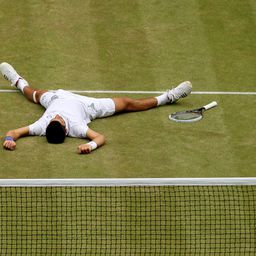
{"x": 55, "y": 132}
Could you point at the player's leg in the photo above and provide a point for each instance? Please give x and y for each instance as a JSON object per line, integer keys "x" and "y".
{"x": 125, "y": 104}
{"x": 11, "y": 75}
{"x": 33, "y": 95}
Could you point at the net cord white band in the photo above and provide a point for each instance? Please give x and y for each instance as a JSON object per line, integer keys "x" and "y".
{"x": 127, "y": 182}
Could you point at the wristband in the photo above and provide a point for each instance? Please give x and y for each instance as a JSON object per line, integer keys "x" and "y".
{"x": 8, "y": 138}
{"x": 92, "y": 144}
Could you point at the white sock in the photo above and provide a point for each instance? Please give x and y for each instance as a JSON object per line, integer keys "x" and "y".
{"x": 21, "y": 84}
{"x": 162, "y": 99}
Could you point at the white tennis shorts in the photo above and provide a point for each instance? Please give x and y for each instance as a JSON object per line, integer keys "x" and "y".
{"x": 97, "y": 108}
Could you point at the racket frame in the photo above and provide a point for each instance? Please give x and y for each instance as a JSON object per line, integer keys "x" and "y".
{"x": 198, "y": 111}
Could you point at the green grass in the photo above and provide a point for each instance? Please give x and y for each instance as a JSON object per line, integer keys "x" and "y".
{"x": 144, "y": 144}
{"x": 134, "y": 45}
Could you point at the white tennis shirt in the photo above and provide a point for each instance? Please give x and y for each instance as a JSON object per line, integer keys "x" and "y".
{"x": 76, "y": 110}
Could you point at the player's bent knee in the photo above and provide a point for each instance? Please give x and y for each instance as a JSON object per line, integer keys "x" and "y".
{"x": 39, "y": 93}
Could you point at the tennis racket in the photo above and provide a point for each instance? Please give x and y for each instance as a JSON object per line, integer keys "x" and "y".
{"x": 194, "y": 115}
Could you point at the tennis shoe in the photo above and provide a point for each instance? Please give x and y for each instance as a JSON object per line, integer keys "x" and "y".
{"x": 181, "y": 91}
{"x": 10, "y": 74}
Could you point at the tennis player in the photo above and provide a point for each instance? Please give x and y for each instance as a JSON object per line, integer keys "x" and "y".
{"x": 68, "y": 114}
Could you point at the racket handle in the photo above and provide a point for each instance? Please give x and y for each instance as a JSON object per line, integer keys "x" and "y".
{"x": 210, "y": 105}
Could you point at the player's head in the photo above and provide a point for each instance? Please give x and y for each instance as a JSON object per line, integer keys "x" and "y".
{"x": 56, "y": 131}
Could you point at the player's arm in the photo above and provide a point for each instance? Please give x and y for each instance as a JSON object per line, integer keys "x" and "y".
{"x": 97, "y": 140}
{"x": 13, "y": 135}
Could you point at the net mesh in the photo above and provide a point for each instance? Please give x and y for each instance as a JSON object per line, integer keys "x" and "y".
{"x": 128, "y": 220}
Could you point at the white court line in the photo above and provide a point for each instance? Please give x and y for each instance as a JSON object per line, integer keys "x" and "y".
{"x": 144, "y": 92}
{"x": 159, "y": 92}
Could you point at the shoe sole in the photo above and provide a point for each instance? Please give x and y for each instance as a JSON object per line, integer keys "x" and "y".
{"x": 7, "y": 67}
{"x": 185, "y": 94}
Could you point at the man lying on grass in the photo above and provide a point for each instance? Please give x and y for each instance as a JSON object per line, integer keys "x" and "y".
{"x": 68, "y": 114}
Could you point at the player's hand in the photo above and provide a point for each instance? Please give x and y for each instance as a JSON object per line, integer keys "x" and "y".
{"x": 9, "y": 144}
{"x": 84, "y": 149}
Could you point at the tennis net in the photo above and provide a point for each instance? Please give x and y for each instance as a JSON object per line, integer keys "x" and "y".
{"x": 128, "y": 217}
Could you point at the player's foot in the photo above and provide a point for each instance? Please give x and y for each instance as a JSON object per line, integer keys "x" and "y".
{"x": 181, "y": 91}
{"x": 10, "y": 74}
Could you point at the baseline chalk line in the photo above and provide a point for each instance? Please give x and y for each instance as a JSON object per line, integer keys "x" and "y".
{"x": 144, "y": 92}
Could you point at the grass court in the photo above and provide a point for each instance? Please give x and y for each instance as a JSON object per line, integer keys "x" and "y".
{"x": 134, "y": 46}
